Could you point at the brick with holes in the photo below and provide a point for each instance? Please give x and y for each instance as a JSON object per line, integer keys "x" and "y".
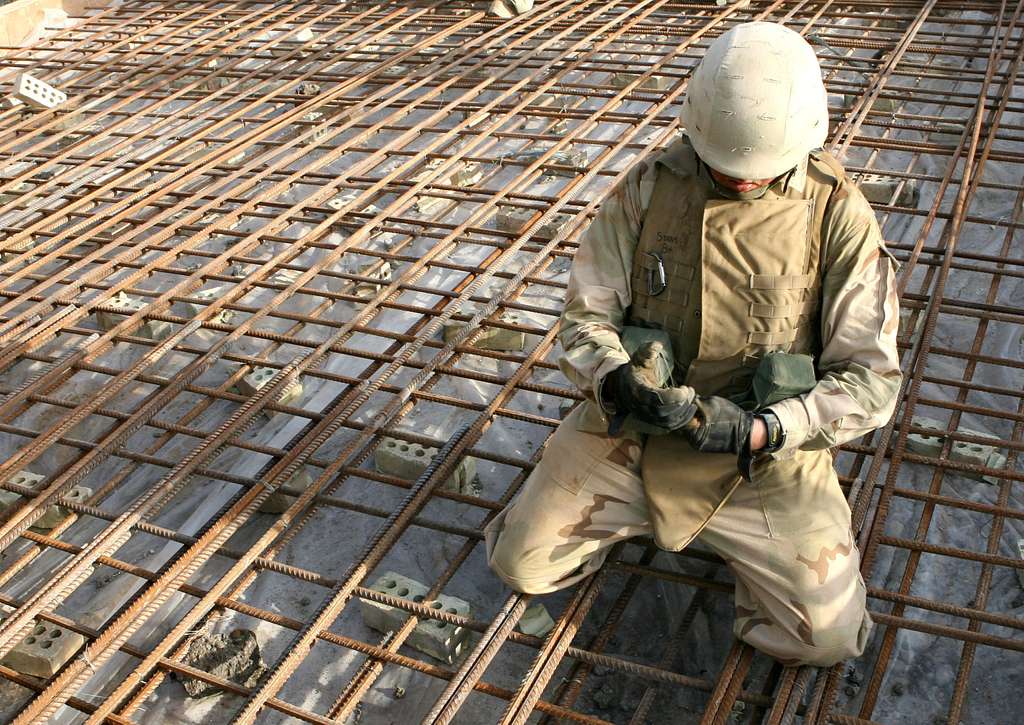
{"x": 433, "y": 637}
{"x": 258, "y": 378}
{"x": 36, "y": 93}
{"x": 396, "y": 457}
{"x": 44, "y": 651}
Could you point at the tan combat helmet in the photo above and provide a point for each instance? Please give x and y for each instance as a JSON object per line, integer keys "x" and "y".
{"x": 756, "y": 103}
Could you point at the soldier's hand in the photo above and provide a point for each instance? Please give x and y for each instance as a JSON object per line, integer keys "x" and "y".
{"x": 722, "y": 427}
{"x": 631, "y": 388}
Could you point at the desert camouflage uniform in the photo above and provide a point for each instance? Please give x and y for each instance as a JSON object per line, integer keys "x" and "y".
{"x": 786, "y": 536}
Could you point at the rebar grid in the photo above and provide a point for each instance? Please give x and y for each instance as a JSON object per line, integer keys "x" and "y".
{"x": 339, "y": 196}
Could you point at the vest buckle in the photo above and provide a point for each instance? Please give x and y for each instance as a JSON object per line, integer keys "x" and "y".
{"x": 656, "y": 283}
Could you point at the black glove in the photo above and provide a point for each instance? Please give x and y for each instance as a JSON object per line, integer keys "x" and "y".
{"x": 630, "y": 388}
{"x": 723, "y": 427}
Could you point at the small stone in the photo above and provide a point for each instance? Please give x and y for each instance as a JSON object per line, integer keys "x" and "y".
{"x": 898, "y": 689}
{"x": 305, "y": 602}
{"x": 399, "y": 693}
{"x": 850, "y": 690}
{"x": 1020, "y": 553}
{"x": 234, "y": 657}
{"x": 607, "y": 695}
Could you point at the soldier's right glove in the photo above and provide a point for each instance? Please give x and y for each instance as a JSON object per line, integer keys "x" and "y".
{"x": 633, "y": 388}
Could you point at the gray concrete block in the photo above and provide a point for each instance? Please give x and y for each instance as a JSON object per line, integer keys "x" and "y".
{"x": 258, "y": 378}
{"x": 395, "y": 457}
{"x": 44, "y": 651}
{"x": 52, "y": 515}
{"x": 651, "y": 83}
{"x": 127, "y": 305}
{"x": 879, "y": 189}
{"x": 498, "y": 339}
{"x": 440, "y": 640}
{"x": 571, "y": 156}
{"x": 536, "y": 621}
{"x": 224, "y": 317}
{"x": 378, "y": 270}
{"x": 279, "y": 501}
{"x": 927, "y": 444}
{"x": 234, "y": 657}
{"x": 515, "y": 219}
{"x": 978, "y": 454}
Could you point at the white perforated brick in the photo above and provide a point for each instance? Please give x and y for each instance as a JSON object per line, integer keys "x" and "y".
{"x": 259, "y": 378}
{"x": 52, "y": 515}
{"x": 403, "y": 459}
{"x": 126, "y": 305}
{"x": 433, "y": 637}
{"x": 377, "y": 270}
{"x": 498, "y": 339}
{"x": 207, "y": 296}
{"x": 515, "y": 219}
{"x": 37, "y": 93}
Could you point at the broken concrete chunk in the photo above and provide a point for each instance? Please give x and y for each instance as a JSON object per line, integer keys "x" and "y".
{"x": 927, "y": 444}
{"x": 307, "y": 88}
{"x": 206, "y": 296}
{"x": 536, "y": 621}
{"x": 377, "y": 270}
{"x": 259, "y": 378}
{"x": 279, "y": 501}
{"x": 432, "y": 637}
{"x": 510, "y": 8}
{"x": 879, "y": 189}
{"x": 37, "y": 93}
{"x": 515, "y": 219}
{"x": 126, "y": 305}
{"x": 234, "y": 657}
{"x": 651, "y": 83}
{"x": 45, "y": 650}
{"x": 402, "y": 459}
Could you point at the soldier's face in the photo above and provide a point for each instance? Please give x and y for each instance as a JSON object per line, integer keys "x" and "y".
{"x": 740, "y": 185}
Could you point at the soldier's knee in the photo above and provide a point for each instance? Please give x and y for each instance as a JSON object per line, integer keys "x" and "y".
{"x": 840, "y": 642}
{"x": 517, "y": 564}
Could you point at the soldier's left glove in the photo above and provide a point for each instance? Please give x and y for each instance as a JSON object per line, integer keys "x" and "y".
{"x": 723, "y": 427}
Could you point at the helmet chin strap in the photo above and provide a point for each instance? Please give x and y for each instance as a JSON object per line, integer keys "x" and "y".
{"x": 743, "y": 195}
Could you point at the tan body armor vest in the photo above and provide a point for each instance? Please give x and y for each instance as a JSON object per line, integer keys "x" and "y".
{"x": 729, "y": 281}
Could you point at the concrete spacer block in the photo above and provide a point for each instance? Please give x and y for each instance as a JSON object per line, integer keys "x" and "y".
{"x": 433, "y": 637}
{"x": 498, "y": 339}
{"x": 45, "y": 650}
{"x": 22, "y": 478}
{"x": 378, "y": 270}
{"x": 279, "y": 501}
{"x": 879, "y": 189}
{"x": 571, "y": 156}
{"x": 307, "y": 88}
{"x": 153, "y": 329}
{"x": 288, "y": 41}
{"x": 995, "y": 460}
{"x": 978, "y": 454}
{"x": 207, "y": 296}
{"x": 510, "y": 8}
{"x": 924, "y": 444}
{"x": 651, "y": 83}
{"x": 536, "y": 621}
{"x": 53, "y": 515}
{"x": 258, "y": 378}
{"x": 285, "y": 276}
{"x": 37, "y": 93}
{"x": 12, "y": 194}
{"x": 396, "y": 457}
{"x": 515, "y": 219}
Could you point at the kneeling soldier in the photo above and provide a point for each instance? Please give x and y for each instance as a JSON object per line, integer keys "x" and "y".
{"x": 747, "y": 251}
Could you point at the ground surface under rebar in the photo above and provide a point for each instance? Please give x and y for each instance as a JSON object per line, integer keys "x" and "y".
{"x": 335, "y": 197}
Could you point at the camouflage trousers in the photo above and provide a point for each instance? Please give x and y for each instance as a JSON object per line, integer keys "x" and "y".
{"x": 799, "y": 595}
